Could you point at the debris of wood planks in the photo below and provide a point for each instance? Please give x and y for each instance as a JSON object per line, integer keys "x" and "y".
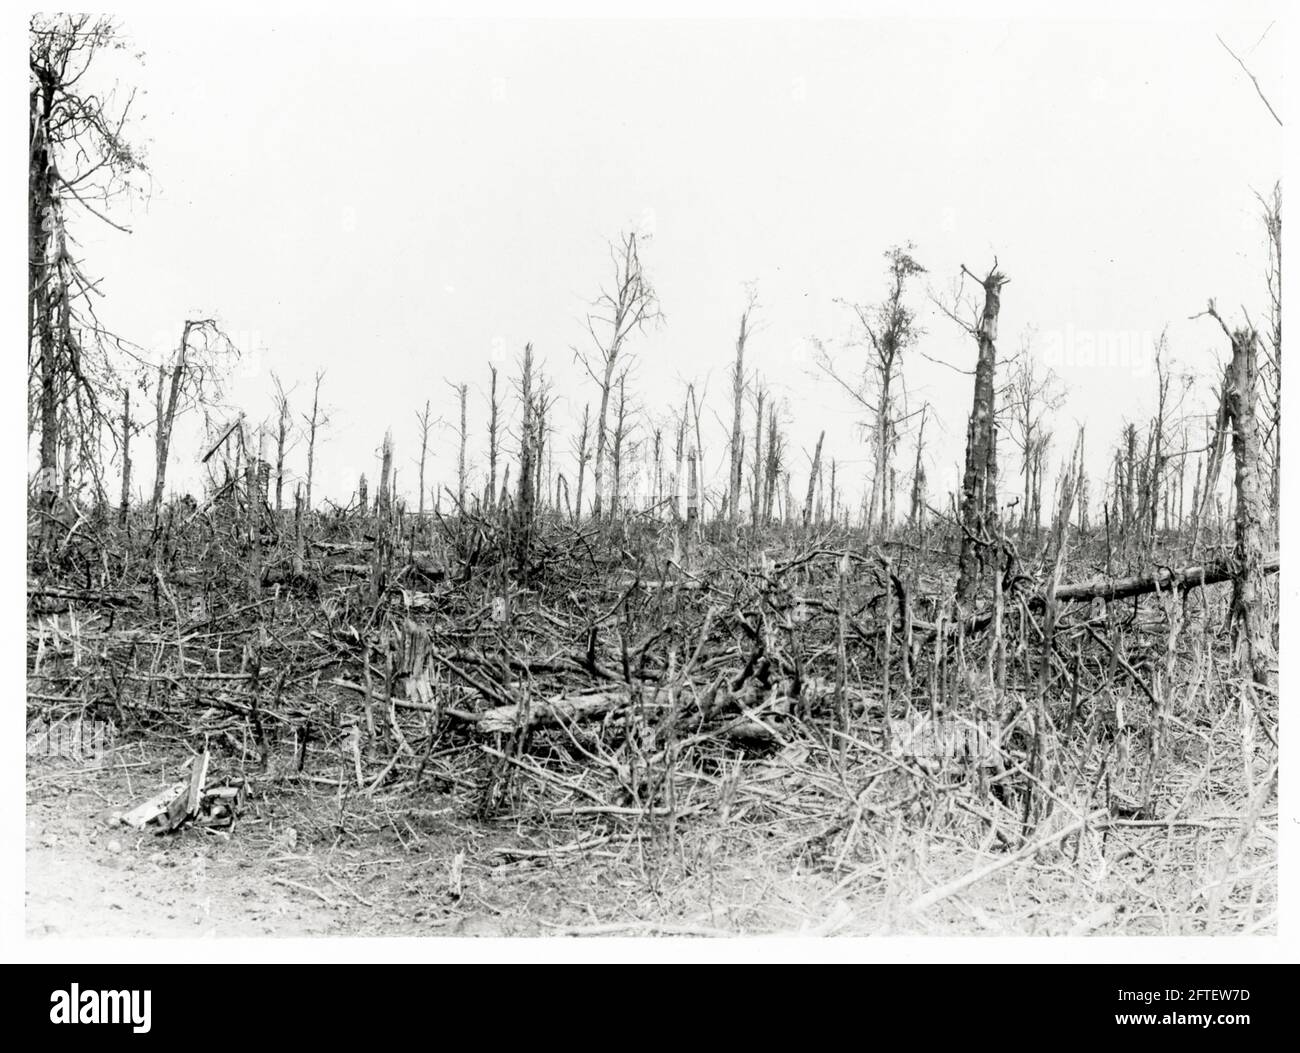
{"x": 159, "y": 804}
{"x": 185, "y": 800}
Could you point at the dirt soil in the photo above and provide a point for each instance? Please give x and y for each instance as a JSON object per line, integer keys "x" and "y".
{"x": 306, "y": 858}
{"x": 89, "y": 877}
{"x": 290, "y": 868}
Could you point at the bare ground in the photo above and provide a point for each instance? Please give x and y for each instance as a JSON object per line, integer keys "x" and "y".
{"x": 301, "y": 861}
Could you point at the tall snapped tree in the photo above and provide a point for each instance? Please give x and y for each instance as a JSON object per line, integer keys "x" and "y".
{"x": 736, "y": 480}
{"x": 979, "y": 487}
{"x": 1250, "y": 625}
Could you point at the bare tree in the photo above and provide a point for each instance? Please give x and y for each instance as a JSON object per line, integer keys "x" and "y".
{"x": 775, "y": 464}
{"x": 281, "y": 439}
{"x": 190, "y": 370}
{"x": 543, "y": 403}
{"x": 625, "y": 308}
{"x": 527, "y": 444}
{"x": 888, "y": 330}
{"x": 1239, "y": 393}
{"x": 462, "y": 437}
{"x": 757, "y": 495}
{"x": 1271, "y": 371}
{"x": 583, "y": 455}
{"x": 313, "y": 422}
{"x": 1032, "y": 393}
{"x": 78, "y": 159}
{"x": 124, "y": 507}
{"x": 679, "y": 461}
{"x": 382, "y": 552}
{"x": 738, "y": 394}
{"x": 659, "y": 468}
{"x": 425, "y": 423}
{"x": 979, "y": 481}
{"x": 695, "y": 402}
{"x": 813, "y": 476}
{"x": 493, "y": 437}
{"x": 622, "y": 428}
{"x": 916, "y": 514}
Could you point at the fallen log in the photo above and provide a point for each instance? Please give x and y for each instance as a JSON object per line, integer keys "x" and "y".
{"x": 1166, "y": 578}
{"x": 1110, "y": 590}
{"x": 102, "y": 599}
{"x": 562, "y": 709}
{"x": 712, "y": 703}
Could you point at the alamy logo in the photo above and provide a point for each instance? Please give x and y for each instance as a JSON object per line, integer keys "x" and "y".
{"x": 76, "y": 1006}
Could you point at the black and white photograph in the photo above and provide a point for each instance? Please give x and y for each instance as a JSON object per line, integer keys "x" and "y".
{"x": 706, "y": 480}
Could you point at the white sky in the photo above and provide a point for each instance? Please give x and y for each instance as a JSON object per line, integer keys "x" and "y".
{"x": 397, "y": 200}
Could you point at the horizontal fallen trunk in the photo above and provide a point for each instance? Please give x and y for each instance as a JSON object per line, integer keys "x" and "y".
{"x": 563, "y": 709}
{"x": 713, "y": 702}
{"x": 1111, "y": 589}
{"x": 101, "y": 599}
{"x": 1166, "y": 578}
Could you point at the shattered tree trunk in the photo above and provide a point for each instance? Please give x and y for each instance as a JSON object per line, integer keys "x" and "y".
{"x": 423, "y": 418}
{"x": 167, "y": 417}
{"x": 280, "y": 436}
{"x": 311, "y": 441}
{"x": 598, "y": 468}
{"x": 462, "y": 392}
{"x": 253, "y": 527}
{"x": 616, "y": 448}
{"x": 1248, "y": 582}
{"x": 125, "y": 505}
{"x": 773, "y": 468}
{"x": 299, "y": 542}
{"x": 692, "y": 494}
{"x": 43, "y": 219}
{"x": 916, "y": 513}
{"x": 979, "y": 483}
{"x": 492, "y": 440}
{"x": 524, "y": 507}
{"x": 679, "y": 467}
{"x": 380, "y": 554}
{"x": 757, "y": 510}
{"x": 737, "y": 431}
{"x": 812, "y": 480}
{"x": 583, "y": 456}
{"x": 659, "y": 471}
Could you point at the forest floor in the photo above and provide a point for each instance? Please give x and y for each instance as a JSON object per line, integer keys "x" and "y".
{"x": 412, "y": 866}
{"x": 780, "y": 740}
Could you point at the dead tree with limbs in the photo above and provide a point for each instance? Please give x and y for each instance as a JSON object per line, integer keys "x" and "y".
{"x": 1033, "y": 393}
{"x": 621, "y": 310}
{"x": 185, "y": 377}
{"x": 78, "y": 161}
{"x": 888, "y": 330}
